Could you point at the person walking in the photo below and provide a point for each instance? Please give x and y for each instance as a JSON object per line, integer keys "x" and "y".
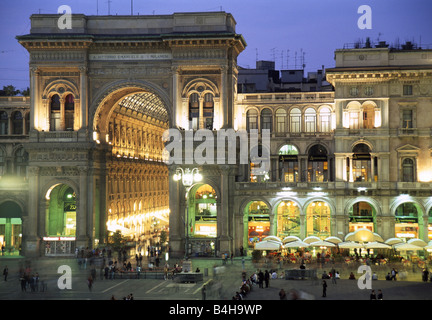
{"x": 373, "y": 295}
{"x": 266, "y": 278}
{"x": 380, "y": 295}
{"x": 393, "y": 274}
{"x": 90, "y": 283}
{"x": 260, "y": 279}
{"x": 282, "y": 294}
{"x": 5, "y": 273}
{"x": 324, "y": 286}
{"x": 333, "y": 275}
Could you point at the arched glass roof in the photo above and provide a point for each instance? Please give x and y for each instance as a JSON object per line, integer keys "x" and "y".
{"x": 146, "y": 103}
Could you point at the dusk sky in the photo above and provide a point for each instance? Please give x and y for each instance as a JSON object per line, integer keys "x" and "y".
{"x": 273, "y": 29}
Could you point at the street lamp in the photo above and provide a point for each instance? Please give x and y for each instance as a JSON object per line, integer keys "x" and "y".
{"x": 187, "y": 177}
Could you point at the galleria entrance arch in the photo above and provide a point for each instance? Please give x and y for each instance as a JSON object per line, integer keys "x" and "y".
{"x": 102, "y": 94}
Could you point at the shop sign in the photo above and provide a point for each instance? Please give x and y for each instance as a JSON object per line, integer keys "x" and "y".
{"x": 361, "y": 219}
{"x": 288, "y": 158}
{"x": 58, "y": 238}
{"x": 406, "y": 220}
{"x": 361, "y": 156}
{"x": 70, "y": 207}
{"x": 201, "y": 218}
{"x": 265, "y": 219}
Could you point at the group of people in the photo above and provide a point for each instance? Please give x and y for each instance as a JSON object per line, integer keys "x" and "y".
{"x": 31, "y": 282}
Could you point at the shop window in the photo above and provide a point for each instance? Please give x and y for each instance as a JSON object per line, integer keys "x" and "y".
{"x": 318, "y": 219}
{"x": 368, "y": 117}
{"x": 407, "y": 221}
{"x": 288, "y": 219}
{"x": 257, "y": 222}
{"x": 361, "y": 215}
{"x": 203, "y": 212}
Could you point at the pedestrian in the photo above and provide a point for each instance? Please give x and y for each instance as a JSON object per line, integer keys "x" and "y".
{"x": 23, "y": 281}
{"x": 243, "y": 263}
{"x": 5, "y": 273}
{"x": 266, "y": 278}
{"x": 393, "y": 274}
{"x": 373, "y": 295}
{"x": 203, "y": 292}
{"x": 425, "y": 274}
{"x": 380, "y": 295}
{"x": 90, "y": 283}
{"x": 282, "y": 294}
{"x": 333, "y": 275}
{"x": 260, "y": 279}
{"x": 324, "y": 285}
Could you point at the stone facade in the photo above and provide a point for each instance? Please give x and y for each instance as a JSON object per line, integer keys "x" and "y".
{"x": 103, "y": 94}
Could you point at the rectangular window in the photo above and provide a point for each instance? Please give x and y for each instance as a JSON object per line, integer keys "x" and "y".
{"x": 407, "y": 90}
{"x": 407, "y": 119}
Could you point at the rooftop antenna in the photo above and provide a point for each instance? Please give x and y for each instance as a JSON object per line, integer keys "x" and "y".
{"x": 109, "y": 7}
{"x": 131, "y": 7}
{"x": 256, "y": 54}
{"x": 287, "y": 63}
{"x": 282, "y": 60}
{"x": 273, "y": 50}
{"x": 295, "y": 60}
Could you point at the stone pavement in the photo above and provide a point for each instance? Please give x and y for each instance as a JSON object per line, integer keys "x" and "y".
{"x": 223, "y": 280}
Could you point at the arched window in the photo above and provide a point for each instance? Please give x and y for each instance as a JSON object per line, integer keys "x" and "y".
{"x": 362, "y": 215}
{"x": 3, "y": 123}
{"x": 368, "y": 116}
{"x": 266, "y": 119}
{"x": 288, "y": 219}
{"x": 55, "y": 113}
{"x": 325, "y": 120}
{"x": 317, "y": 164}
{"x": 21, "y": 162}
{"x": 17, "y": 123}
{"x": 208, "y": 111}
{"x": 318, "y": 219}
{"x": 194, "y": 111}
{"x": 251, "y": 120}
{"x": 295, "y": 120}
{"x": 288, "y": 163}
{"x": 69, "y": 112}
{"x": 257, "y": 221}
{"x": 280, "y": 120}
{"x": 362, "y": 163}
{"x": 2, "y": 162}
{"x": 408, "y": 172}
{"x": 409, "y": 221}
{"x": 310, "y": 120}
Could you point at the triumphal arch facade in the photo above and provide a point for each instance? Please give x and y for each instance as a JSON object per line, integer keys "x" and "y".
{"x": 103, "y": 92}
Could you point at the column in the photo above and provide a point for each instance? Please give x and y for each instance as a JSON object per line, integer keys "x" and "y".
{"x": 176, "y": 111}
{"x": 201, "y": 124}
{"x": 62, "y": 115}
{"x": 34, "y": 95}
{"x": 30, "y": 239}
{"x": 223, "y": 214}
{"x": 224, "y": 98}
{"x": 81, "y": 230}
{"x": 176, "y": 218}
{"x": 351, "y": 176}
{"x": 83, "y": 97}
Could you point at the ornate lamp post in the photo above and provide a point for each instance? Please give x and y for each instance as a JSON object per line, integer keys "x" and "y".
{"x": 187, "y": 177}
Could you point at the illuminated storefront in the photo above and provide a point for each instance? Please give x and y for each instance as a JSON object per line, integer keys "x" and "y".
{"x": 318, "y": 219}
{"x": 60, "y": 221}
{"x": 407, "y": 222}
{"x": 257, "y": 222}
{"x": 204, "y": 210}
{"x": 288, "y": 163}
{"x": 10, "y": 228}
{"x": 362, "y": 215}
{"x": 288, "y": 219}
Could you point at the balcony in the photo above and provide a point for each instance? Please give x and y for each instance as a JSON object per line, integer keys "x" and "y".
{"x": 407, "y": 132}
{"x": 57, "y": 136}
{"x": 318, "y": 97}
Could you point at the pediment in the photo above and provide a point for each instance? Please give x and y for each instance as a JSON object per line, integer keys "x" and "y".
{"x": 408, "y": 148}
